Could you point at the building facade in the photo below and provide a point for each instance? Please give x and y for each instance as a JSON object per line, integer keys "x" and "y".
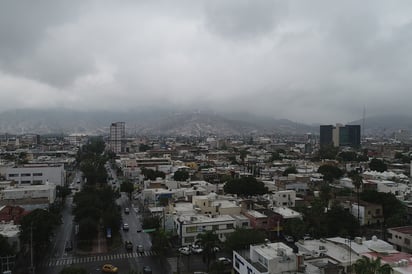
{"x": 339, "y": 135}
{"x": 117, "y": 136}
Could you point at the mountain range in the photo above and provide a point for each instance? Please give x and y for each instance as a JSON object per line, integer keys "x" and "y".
{"x": 171, "y": 122}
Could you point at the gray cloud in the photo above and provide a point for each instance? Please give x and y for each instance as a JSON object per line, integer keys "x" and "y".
{"x": 310, "y": 61}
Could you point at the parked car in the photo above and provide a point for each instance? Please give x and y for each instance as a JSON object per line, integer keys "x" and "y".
{"x": 224, "y": 260}
{"x": 108, "y": 268}
{"x": 126, "y": 227}
{"x": 196, "y": 249}
{"x": 289, "y": 239}
{"x": 185, "y": 250}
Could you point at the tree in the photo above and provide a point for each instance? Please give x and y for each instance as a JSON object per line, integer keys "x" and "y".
{"x": 40, "y": 223}
{"x": 394, "y": 211}
{"x": 151, "y": 222}
{"x": 150, "y": 174}
{"x": 328, "y": 152}
{"x": 181, "y": 175}
{"x": 127, "y": 187}
{"x": 245, "y": 186}
{"x": 295, "y": 227}
{"x": 340, "y": 222}
{"x": 378, "y": 165}
{"x": 208, "y": 240}
{"x": 365, "y": 265}
{"x": 242, "y": 238}
{"x": 144, "y": 147}
{"x": 160, "y": 242}
{"x": 62, "y": 191}
{"x": 330, "y": 172}
{"x": 5, "y": 248}
{"x": 73, "y": 270}
{"x": 87, "y": 229}
{"x": 290, "y": 170}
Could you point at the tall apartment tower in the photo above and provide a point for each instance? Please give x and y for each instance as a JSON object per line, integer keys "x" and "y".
{"x": 339, "y": 135}
{"x": 117, "y": 137}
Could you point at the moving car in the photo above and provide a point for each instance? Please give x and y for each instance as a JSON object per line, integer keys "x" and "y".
{"x": 68, "y": 246}
{"x": 108, "y": 268}
{"x": 126, "y": 227}
{"x": 140, "y": 248}
{"x": 126, "y": 210}
{"x": 147, "y": 270}
{"x": 185, "y": 250}
{"x": 128, "y": 245}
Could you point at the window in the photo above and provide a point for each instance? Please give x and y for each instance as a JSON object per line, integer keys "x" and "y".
{"x": 13, "y": 175}
{"x": 25, "y": 174}
{"x": 189, "y": 239}
{"x": 229, "y": 226}
{"x": 191, "y": 229}
{"x": 25, "y": 182}
{"x": 215, "y": 227}
{"x": 407, "y": 241}
{"x": 37, "y": 182}
{"x": 37, "y": 174}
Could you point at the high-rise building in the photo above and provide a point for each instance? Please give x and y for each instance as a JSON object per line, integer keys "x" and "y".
{"x": 339, "y": 135}
{"x": 117, "y": 137}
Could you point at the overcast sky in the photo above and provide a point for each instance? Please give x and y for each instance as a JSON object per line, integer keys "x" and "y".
{"x": 308, "y": 61}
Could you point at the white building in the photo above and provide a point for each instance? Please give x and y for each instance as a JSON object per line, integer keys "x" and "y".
{"x": 269, "y": 258}
{"x": 30, "y": 196}
{"x": 189, "y": 226}
{"x": 37, "y": 174}
{"x": 284, "y": 198}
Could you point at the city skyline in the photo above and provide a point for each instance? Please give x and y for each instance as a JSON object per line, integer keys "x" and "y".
{"x": 309, "y": 62}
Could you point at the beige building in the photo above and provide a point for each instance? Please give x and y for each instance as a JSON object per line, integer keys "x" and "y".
{"x": 208, "y": 204}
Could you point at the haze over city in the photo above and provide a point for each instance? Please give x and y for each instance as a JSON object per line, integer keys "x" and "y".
{"x": 308, "y": 61}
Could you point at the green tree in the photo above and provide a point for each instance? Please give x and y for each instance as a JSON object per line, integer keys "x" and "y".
{"x": 290, "y": 170}
{"x": 151, "y": 222}
{"x": 40, "y": 223}
{"x": 5, "y": 248}
{"x": 295, "y": 227}
{"x": 330, "y": 172}
{"x": 245, "y": 186}
{"x": 378, "y": 165}
{"x": 150, "y": 174}
{"x": 73, "y": 270}
{"x": 340, "y": 222}
{"x": 242, "y": 238}
{"x": 328, "y": 152}
{"x": 365, "y": 265}
{"x": 394, "y": 211}
{"x": 208, "y": 240}
{"x": 87, "y": 229}
{"x": 63, "y": 191}
{"x": 347, "y": 156}
{"x": 181, "y": 175}
{"x": 144, "y": 147}
{"x": 127, "y": 187}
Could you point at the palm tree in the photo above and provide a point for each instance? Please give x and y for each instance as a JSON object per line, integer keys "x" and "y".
{"x": 365, "y": 265}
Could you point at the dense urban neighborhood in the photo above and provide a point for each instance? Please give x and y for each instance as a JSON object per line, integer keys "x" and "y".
{"x": 333, "y": 202}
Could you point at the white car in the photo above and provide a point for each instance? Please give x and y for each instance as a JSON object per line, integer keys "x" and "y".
{"x": 185, "y": 250}
{"x": 224, "y": 260}
{"x": 126, "y": 227}
{"x": 196, "y": 249}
